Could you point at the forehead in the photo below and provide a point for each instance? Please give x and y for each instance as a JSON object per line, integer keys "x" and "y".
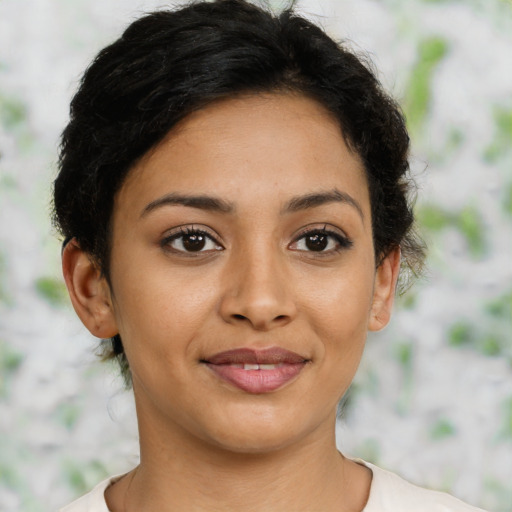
{"x": 251, "y": 147}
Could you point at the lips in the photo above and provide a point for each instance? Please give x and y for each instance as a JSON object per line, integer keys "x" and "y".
{"x": 256, "y": 371}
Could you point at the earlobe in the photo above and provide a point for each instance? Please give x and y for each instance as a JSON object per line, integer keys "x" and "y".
{"x": 386, "y": 278}
{"x": 89, "y": 291}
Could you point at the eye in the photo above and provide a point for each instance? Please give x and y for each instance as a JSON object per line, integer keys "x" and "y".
{"x": 321, "y": 241}
{"x": 191, "y": 240}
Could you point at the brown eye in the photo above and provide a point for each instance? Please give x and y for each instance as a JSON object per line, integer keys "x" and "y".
{"x": 194, "y": 242}
{"x": 190, "y": 241}
{"x": 316, "y": 241}
{"x": 321, "y": 241}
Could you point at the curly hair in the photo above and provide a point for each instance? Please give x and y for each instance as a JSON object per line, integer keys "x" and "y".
{"x": 168, "y": 64}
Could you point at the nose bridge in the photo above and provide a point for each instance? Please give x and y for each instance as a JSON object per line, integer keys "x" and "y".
{"x": 257, "y": 290}
{"x": 261, "y": 275}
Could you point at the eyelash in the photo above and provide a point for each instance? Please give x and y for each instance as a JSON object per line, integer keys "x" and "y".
{"x": 342, "y": 242}
{"x": 183, "y": 232}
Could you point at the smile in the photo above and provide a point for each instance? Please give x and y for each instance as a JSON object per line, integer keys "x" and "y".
{"x": 256, "y": 371}
{"x": 250, "y": 366}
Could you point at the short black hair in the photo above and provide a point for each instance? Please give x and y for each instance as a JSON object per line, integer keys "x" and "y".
{"x": 170, "y": 63}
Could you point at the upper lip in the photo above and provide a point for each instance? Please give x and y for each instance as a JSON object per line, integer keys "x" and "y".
{"x": 272, "y": 355}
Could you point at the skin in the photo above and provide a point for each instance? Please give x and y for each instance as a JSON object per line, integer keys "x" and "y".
{"x": 256, "y": 284}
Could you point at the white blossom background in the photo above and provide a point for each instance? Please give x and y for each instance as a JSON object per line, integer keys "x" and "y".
{"x": 433, "y": 397}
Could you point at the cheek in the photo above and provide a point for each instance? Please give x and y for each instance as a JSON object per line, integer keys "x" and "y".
{"x": 341, "y": 302}
{"x": 339, "y": 312}
{"x": 162, "y": 307}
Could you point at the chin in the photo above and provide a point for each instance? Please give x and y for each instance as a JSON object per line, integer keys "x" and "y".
{"x": 254, "y": 443}
{"x": 258, "y": 434}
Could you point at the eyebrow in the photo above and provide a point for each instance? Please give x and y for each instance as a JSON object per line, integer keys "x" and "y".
{"x": 210, "y": 203}
{"x": 202, "y": 202}
{"x": 320, "y": 198}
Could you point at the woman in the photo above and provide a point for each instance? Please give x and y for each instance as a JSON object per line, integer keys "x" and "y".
{"x": 233, "y": 197}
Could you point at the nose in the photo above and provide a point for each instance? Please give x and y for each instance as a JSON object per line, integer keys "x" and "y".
{"x": 258, "y": 293}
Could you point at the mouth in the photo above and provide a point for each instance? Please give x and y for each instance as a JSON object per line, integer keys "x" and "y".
{"x": 257, "y": 371}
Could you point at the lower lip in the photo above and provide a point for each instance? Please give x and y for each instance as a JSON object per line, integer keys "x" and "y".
{"x": 257, "y": 381}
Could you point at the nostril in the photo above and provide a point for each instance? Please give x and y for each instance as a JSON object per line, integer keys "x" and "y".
{"x": 279, "y": 318}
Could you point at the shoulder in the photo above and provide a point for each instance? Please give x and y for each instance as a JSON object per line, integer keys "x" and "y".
{"x": 93, "y": 501}
{"x": 390, "y": 493}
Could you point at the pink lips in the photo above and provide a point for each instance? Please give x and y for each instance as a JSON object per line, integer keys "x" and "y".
{"x": 256, "y": 371}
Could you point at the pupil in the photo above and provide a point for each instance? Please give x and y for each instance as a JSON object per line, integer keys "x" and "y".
{"x": 193, "y": 242}
{"x": 316, "y": 242}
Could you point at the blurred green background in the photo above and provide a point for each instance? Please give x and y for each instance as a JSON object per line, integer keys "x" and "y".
{"x": 433, "y": 397}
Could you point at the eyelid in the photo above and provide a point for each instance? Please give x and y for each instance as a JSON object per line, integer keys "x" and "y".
{"x": 319, "y": 226}
{"x": 187, "y": 229}
{"x": 341, "y": 237}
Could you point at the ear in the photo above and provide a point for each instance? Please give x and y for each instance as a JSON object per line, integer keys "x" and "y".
{"x": 386, "y": 278}
{"x": 89, "y": 291}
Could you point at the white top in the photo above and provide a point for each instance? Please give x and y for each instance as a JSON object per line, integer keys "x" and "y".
{"x": 388, "y": 493}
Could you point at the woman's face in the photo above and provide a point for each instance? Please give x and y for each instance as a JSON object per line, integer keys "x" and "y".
{"x": 243, "y": 274}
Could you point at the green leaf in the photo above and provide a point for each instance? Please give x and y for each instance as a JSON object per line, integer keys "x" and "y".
{"x": 433, "y": 217}
{"x": 403, "y": 353}
{"x": 455, "y": 140}
{"x": 68, "y": 414}
{"x": 407, "y": 301}
{"x": 12, "y": 112}
{"x": 460, "y": 333}
{"x": 442, "y": 429}
{"x": 4, "y": 296}
{"x": 82, "y": 476}
{"x": 76, "y": 479}
{"x": 507, "y": 203}
{"x": 9, "y": 476}
{"x": 10, "y": 359}
{"x": 507, "y": 418}
{"x": 418, "y": 96}
{"x": 501, "y": 143}
{"x": 7, "y": 182}
{"x": 52, "y": 290}
{"x": 501, "y": 307}
{"x": 490, "y": 345}
{"x": 469, "y": 222}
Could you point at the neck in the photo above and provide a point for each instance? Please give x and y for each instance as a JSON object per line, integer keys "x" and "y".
{"x": 181, "y": 472}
